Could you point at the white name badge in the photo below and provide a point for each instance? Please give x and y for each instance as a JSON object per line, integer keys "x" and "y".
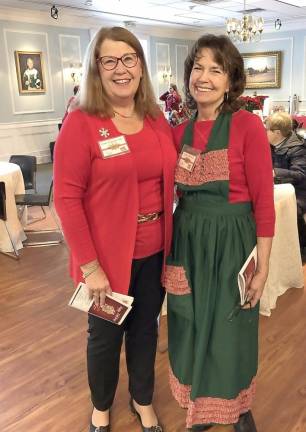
{"x": 188, "y": 157}
{"x": 114, "y": 147}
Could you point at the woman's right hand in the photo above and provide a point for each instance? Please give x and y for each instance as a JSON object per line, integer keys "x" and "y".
{"x": 98, "y": 286}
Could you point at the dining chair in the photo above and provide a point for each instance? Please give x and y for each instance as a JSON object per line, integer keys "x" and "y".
{"x": 3, "y": 217}
{"x": 28, "y": 166}
{"x": 51, "y": 146}
{"x": 37, "y": 200}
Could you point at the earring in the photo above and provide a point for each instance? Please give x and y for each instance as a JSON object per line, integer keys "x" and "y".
{"x": 225, "y": 97}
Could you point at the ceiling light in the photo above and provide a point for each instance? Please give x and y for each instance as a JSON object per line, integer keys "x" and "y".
{"x": 277, "y": 24}
{"x": 54, "y": 12}
{"x": 129, "y": 24}
{"x": 248, "y": 29}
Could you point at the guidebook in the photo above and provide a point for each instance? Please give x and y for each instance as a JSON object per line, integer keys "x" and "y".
{"x": 246, "y": 274}
{"x": 115, "y": 309}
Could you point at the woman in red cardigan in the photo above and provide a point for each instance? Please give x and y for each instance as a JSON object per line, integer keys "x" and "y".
{"x": 113, "y": 191}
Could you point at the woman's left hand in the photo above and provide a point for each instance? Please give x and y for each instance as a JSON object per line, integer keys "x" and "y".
{"x": 256, "y": 288}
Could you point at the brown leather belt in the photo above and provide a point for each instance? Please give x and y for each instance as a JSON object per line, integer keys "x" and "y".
{"x": 141, "y": 218}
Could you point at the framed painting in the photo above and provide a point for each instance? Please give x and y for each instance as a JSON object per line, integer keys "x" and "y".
{"x": 262, "y": 69}
{"x": 30, "y": 72}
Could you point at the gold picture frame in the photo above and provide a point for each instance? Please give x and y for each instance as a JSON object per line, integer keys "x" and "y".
{"x": 30, "y": 72}
{"x": 262, "y": 69}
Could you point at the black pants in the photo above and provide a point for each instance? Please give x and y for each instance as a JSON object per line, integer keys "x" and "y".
{"x": 140, "y": 327}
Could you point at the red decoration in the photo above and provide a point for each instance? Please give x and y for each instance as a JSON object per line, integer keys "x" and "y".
{"x": 251, "y": 103}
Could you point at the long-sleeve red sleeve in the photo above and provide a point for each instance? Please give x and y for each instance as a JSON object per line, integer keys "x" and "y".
{"x": 72, "y": 170}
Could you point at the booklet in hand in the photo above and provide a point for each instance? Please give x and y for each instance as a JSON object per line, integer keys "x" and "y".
{"x": 246, "y": 274}
{"x": 115, "y": 308}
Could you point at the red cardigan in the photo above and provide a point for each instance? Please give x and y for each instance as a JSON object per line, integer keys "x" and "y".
{"x": 97, "y": 199}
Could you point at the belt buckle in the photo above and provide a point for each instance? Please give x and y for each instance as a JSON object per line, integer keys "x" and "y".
{"x": 153, "y": 216}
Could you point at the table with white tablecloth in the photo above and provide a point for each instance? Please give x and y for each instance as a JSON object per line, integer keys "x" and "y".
{"x": 11, "y": 175}
{"x": 285, "y": 269}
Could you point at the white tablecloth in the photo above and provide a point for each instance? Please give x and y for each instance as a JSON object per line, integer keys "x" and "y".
{"x": 285, "y": 261}
{"x": 12, "y": 176}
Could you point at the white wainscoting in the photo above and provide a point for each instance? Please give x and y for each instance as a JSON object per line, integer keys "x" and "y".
{"x": 70, "y": 49}
{"x": 28, "y": 139}
{"x": 162, "y": 62}
{"x": 24, "y": 40}
{"x": 181, "y": 52}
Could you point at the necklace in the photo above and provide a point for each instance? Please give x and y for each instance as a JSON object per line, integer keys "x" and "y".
{"x": 124, "y": 115}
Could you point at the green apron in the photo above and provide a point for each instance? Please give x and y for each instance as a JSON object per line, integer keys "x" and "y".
{"x": 213, "y": 344}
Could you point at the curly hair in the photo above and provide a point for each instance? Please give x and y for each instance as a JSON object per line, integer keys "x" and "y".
{"x": 228, "y": 57}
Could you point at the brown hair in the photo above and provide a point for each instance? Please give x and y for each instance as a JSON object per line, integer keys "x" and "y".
{"x": 280, "y": 121}
{"x": 174, "y": 86}
{"x": 228, "y": 57}
{"x": 76, "y": 88}
{"x": 93, "y": 98}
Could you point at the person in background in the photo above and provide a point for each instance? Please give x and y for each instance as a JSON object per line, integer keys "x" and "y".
{"x": 172, "y": 100}
{"x": 72, "y": 100}
{"x": 113, "y": 191}
{"x": 289, "y": 162}
{"x": 184, "y": 113}
{"x": 225, "y": 208}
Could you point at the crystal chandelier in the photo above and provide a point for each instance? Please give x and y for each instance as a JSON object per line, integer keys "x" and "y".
{"x": 248, "y": 29}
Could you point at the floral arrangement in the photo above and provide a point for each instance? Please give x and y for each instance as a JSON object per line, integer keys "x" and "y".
{"x": 251, "y": 103}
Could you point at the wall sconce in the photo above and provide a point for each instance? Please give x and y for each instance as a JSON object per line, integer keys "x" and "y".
{"x": 277, "y": 24}
{"x": 76, "y": 72}
{"x": 166, "y": 73}
{"x": 54, "y": 12}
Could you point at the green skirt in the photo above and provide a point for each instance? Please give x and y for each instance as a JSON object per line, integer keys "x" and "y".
{"x": 213, "y": 344}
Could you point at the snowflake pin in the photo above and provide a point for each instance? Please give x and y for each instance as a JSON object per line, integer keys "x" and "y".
{"x": 104, "y": 132}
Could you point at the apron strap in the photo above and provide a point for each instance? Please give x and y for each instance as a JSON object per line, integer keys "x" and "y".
{"x": 218, "y": 138}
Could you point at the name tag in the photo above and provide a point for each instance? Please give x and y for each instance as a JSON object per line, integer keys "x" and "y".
{"x": 188, "y": 157}
{"x": 114, "y": 147}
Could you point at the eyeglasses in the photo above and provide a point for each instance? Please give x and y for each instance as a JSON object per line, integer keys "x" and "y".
{"x": 109, "y": 63}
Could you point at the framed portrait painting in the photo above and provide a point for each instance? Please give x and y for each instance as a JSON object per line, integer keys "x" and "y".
{"x": 30, "y": 72}
{"x": 262, "y": 69}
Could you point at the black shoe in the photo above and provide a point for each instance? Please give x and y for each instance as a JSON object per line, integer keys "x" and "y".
{"x": 245, "y": 423}
{"x": 93, "y": 428}
{"x": 156, "y": 428}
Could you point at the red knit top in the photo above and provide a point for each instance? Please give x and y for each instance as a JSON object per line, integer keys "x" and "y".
{"x": 148, "y": 163}
{"x": 250, "y": 165}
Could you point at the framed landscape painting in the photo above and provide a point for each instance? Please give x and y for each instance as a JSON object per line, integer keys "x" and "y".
{"x": 262, "y": 69}
{"x": 30, "y": 72}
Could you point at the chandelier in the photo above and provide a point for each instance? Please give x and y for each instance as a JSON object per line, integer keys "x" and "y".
{"x": 248, "y": 29}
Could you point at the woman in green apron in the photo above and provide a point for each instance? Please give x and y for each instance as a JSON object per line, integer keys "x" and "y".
{"x": 225, "y": 188}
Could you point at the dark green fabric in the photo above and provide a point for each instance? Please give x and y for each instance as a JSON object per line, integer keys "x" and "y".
{"x": 211, "y": 240}
{"x": 218, "y": 138}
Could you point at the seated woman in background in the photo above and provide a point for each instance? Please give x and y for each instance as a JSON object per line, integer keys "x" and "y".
{"x": 289, "y": 162}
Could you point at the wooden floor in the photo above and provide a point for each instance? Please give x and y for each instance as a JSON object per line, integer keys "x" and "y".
{"x": 43, "y": 384}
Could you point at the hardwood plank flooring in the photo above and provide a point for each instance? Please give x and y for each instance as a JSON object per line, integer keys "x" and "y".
{"x": 43, "y": 382}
